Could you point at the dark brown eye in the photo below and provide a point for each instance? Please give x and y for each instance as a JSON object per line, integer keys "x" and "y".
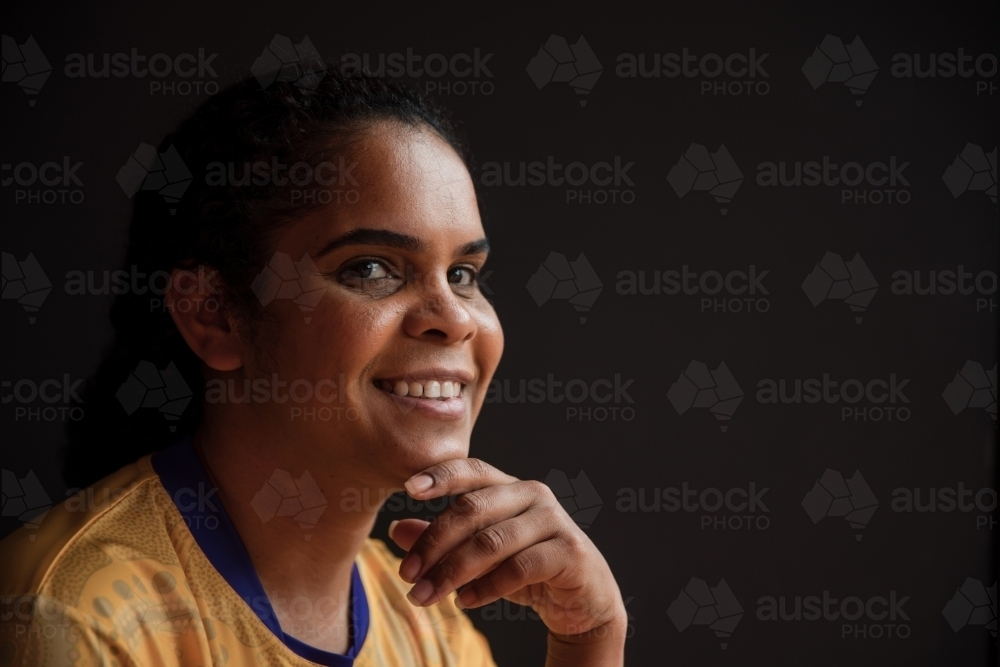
{"x": 365, "y": 270}
{"x": 461, "y": 275}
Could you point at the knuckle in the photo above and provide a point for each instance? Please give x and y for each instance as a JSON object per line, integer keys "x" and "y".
{"x": 490, "y": 542}
{"x": 478, "y": 467}
{"x": 487, "y": 588}
{"x": 444, "y": 473}
{"x": 540, "y": 490}
{"x": 449, "y": 571}
{"x": 430, "y": 541}
{"x": 471, "y": 503}
{"x": 522, "y": 565}
{"x": 575, "y": 543}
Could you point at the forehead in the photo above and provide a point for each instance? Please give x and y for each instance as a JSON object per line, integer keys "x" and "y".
{"x": 400, "y": 178}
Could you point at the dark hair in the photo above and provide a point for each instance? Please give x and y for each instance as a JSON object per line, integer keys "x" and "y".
{"x": 228, "y": 227}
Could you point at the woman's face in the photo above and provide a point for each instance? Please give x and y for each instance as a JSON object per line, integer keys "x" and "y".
{"x": 400, "y": 346}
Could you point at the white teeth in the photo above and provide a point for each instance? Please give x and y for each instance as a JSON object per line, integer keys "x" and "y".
{"x": 431, "y": 389}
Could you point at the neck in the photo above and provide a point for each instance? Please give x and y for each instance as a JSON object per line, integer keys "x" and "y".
{"x": 296, "y": 556}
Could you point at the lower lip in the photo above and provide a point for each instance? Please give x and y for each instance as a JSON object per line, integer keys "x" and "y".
{"x": 448, "y": 408}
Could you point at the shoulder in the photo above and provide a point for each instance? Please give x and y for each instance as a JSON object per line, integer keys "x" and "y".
{"x": 100, "y": 530}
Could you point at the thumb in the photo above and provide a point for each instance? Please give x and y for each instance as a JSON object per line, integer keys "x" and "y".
{"x": 405, "y": 532}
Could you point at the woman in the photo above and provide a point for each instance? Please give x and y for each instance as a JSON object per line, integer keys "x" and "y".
{"x": 322, "y": 303}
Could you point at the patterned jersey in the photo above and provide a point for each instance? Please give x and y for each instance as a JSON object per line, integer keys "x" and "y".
{"x": 136, "y": 571}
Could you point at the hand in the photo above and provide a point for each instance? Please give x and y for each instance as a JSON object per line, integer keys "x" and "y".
{"x": 507, "y": 538}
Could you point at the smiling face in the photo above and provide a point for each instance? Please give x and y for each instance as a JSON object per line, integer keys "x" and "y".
{"x": 400, "y": 326}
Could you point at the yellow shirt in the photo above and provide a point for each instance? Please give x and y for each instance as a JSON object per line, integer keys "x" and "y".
{"x": 115, "y": 576}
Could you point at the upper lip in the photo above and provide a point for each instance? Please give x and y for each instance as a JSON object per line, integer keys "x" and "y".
{"x": 427, "y": 374}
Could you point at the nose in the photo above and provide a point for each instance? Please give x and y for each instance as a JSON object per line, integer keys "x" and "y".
{"x": 437, "y": 314}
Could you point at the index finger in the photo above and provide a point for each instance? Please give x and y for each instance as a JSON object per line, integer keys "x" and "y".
{"x": 453, "y": 477}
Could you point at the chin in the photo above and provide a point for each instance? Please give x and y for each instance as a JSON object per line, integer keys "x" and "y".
{"x": 421, "y": 453}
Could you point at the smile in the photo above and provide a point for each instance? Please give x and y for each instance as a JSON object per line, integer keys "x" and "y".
{"x": 440, "y": 390}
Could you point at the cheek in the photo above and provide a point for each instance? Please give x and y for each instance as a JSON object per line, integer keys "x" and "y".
{"x": 343, "y": 337}
{"x": 489, "y": 346}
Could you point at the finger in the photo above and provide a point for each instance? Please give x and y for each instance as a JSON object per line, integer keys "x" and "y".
{"x": 540, "y": 562}
{"x": 453, "y": 477}
{"x": 405, "y": 532}
{"x": 469, "y": 513}
{"x": 482, "y": 552}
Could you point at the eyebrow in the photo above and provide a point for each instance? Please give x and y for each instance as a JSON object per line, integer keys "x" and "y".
{"x": 384, "y": 237}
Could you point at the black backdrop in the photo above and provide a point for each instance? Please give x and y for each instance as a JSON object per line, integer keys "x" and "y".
{"x": 817, "y": 468}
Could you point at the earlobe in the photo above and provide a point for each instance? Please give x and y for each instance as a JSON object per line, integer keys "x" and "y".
{"x": 194, "y": 301}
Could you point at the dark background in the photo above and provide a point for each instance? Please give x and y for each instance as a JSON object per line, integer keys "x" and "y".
{"x": 644, "y": 338}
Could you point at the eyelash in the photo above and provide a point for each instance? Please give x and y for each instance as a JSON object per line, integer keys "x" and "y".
{"x": 354, "y": 267}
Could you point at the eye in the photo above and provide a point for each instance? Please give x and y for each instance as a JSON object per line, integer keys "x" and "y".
{"x": 461, "y": 275}
{"x": 365, "y": 270}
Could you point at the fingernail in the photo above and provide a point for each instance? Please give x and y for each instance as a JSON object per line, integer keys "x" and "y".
{"x": 420, "y": 593}
{"x": 419, "y": 484}
{"x": 392, "y": 527}
{"x": 458, "y": 600}
{"x": 409, "y": 568}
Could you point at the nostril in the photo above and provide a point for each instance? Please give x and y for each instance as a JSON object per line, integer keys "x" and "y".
{"x": 435, "y": 333}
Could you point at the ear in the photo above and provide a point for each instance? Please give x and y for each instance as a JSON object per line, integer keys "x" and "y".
{"x": 194, "y": 301}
